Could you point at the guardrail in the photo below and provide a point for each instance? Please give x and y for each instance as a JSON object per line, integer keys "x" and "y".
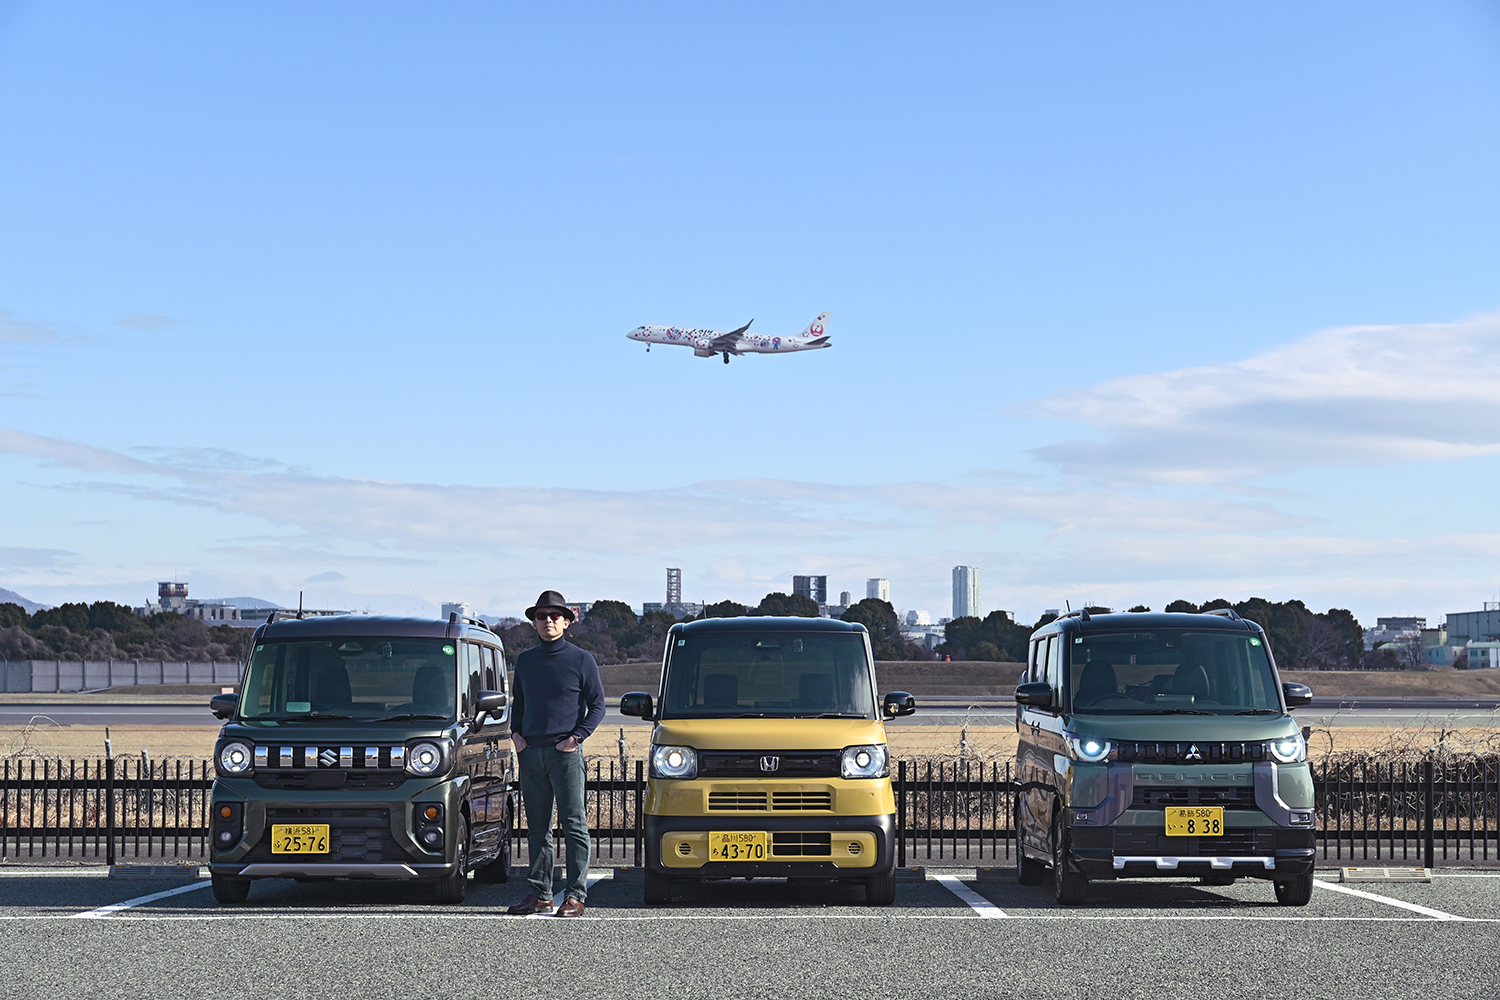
{"x": 60, "y": 676}
{"x": 956, "y": 811}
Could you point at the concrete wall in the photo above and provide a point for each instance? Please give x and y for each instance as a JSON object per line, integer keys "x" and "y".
{"x": 27, "y": 676}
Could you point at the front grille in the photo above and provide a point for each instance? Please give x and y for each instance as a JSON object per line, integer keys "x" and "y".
{"x": 352, "y": 779}
{"x": 803, "y": 845}
{"x": 1152, "y": 843}
{"x": 737, "y": 801}
{"x": 355, "y": 836}
{"x": 1228, "y": 796}
{"x": 791, "y": 801}
{"x": 1211, "y": 752}
{"x": 794, "y": 764}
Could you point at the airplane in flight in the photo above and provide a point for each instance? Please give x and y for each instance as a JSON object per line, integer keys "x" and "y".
{"x": 707, "y": 343}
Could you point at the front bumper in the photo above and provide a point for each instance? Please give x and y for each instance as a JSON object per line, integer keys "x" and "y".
{"x": 875, "y": 836}
{"x": 1147, "y": 852}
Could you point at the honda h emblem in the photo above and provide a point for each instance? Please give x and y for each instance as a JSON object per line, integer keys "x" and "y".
{"x": 770, "y": 763}
{"x": 1193, "y": 753}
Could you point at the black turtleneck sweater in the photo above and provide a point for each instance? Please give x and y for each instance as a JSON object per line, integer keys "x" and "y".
{"x": 557, "y": 693}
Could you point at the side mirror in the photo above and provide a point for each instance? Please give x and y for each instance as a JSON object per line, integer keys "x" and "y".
{"x": 637, "y": 703}
{"x": 1296, "y": 694}
{"x": 223, "y": 705}
{"x": 1037, "y": 694}
{"x": 491, "y": 702}
{"x": 897, "y": 703}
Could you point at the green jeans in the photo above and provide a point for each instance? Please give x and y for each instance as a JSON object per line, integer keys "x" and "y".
{"x": 549, "y": 775}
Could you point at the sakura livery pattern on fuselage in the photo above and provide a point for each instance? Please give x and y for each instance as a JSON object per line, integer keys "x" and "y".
{"x": 707, "y": 343}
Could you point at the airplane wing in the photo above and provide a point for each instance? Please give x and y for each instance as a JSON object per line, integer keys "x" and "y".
{"x": 728, "y": 341}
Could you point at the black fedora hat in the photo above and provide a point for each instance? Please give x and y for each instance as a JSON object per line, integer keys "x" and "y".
{"x": 551, "y": 599}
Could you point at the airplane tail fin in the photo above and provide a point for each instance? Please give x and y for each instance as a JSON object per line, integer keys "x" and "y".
{"x": 817, "y": 329}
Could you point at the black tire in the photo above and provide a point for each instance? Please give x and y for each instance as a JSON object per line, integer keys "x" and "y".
{"x": 1070, "y": 886}
{"x": 452, "y": 887}
{"x": 1295, "y": 891}
{"x": 881, "y": 890}
{"x": 658, "y": 889}
{"x": 229, "y": 890}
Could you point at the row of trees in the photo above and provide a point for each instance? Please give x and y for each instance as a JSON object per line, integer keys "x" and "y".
{"x": 105, "y": 630}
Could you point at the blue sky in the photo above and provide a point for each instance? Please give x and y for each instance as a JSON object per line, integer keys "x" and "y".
{"x": 1130, "y": 303}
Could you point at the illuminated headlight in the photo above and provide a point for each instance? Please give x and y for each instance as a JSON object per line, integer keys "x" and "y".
{"x": 865, "y": 762}
{"x": 674, "y": 762}
{"x": 1089, "y": 748}
{"x": 235, "y": 758}
{"x": 424, "y": 758}
{"x": 1288, "y": 749}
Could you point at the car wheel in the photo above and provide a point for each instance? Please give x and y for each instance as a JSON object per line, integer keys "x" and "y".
{"x": 1295, "y": 891}
{"x": 1029, "y": 871}
{"x": 658, "y": 889}
{"x": 451, "y": 887}
{"x": 881, "y": 890}
{"x": 499, "y": 869}
{"x": 1070, "y": 886}
{"x": 229, "y": 890}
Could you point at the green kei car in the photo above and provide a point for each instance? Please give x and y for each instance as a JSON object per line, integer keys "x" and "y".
{"x": 1160, "y": 746}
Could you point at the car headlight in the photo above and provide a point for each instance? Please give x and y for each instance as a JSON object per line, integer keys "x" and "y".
{"x": 423, "y": 759}
{"x": 236, "y": 758}
{"x": 872, "y": 761}
{"x": 1089, "y": 748}
{"x": 674, "y": 762}
{"x": 1288, "y": 749}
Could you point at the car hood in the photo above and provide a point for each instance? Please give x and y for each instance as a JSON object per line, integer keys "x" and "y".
{"x": 768, "y": 734}
{"x": 1183, "y": 728}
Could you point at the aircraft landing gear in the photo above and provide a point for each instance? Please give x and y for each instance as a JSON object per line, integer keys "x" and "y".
{"x": 648, "y": 348}
{"x": 726, "y": 357}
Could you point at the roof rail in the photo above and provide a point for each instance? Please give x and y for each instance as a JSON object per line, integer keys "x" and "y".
{"x": 1082, "y": 614}
{"x": 1229, "y": 613}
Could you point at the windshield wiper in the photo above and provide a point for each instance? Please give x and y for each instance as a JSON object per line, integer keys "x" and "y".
{"x": 835, "y": 715}
{"x": 298, "y": 717}
{"x": 1177, "y": 711}
{"x": 1259, "y": 711}
{"x": 408, "y": 715}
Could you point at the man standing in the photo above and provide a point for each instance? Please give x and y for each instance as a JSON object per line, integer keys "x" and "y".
{"x": 558, "y": 701}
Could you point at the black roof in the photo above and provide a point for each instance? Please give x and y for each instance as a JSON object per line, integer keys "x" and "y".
{"x": 387, "y": 626}
{"x": 788, "y": 623}
{"x": 1147, "y": 619}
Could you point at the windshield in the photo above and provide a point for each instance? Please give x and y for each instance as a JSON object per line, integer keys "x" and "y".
{"x": 363, "y": 678}
{"x": 1168, "y": 671}
{"x": 723, "y": 675}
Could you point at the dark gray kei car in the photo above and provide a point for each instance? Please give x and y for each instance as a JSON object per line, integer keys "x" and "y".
{"x": 365, "y": 747}
{"x": 1160, "y": 745}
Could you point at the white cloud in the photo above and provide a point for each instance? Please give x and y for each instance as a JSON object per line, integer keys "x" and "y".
{"x": 1369, "y": 395}
{"x": 15, "y": 331}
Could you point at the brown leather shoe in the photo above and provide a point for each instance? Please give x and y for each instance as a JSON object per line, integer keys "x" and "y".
{"x": 571, "y": 908}
{"x": 531, "y": 904}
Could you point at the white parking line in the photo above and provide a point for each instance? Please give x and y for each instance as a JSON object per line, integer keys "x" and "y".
{"x": 983, "y": 907}
{"x": 105, "y": 911}
{"x": 1426, "y": 911}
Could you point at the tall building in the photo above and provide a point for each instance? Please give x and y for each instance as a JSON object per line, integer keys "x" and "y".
{"x": 815, "y": 587}
{"x": 966, "y": 592}
{"x": 674, "y": 587}
{"x": 844, "y": 598}
{"x": 878, "y": 588}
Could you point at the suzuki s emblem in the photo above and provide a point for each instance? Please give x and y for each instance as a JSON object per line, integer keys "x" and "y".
{"x": 770, "y": 763}
{"x": 328, "y": 757}
{"x": 1193, "y": 753}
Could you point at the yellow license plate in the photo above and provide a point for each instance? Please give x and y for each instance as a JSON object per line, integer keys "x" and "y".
{"x": 1195, "y": 821}
{"x": 307, "y": 838}
{"x": 737, "y": 845}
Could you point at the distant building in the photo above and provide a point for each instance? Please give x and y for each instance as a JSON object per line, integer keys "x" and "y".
{"x": 678, "y": 611}
{"x": 674, "y": 586}
{"x": 1483, "y": 655}
{"x": 915, "y": 617}
{"x": 173, "y": 597}
{"x": 1388, "y": 630}
{"x": 462, "y": 610}
{"x": 878, "y": 588}
{"x": 815, "y": 587}
{"x": 844, "y": 598}
{"x": 1479, "y": 626}
{"x": 966, "y": 592}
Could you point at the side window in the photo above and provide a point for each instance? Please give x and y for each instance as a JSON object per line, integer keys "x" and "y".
{"x": 488, "y": 655}
{"x": 1031, "y": 668}
{"x": 473, "y": 671}
{"x": 1054, "y": 666}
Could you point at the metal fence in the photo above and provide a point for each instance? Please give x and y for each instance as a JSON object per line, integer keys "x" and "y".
{"x": 49, "y": 676}
{"x": 946, "y": 811}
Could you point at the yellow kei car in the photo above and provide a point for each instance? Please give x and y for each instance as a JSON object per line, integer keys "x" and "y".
{"x": 769, "y": 756}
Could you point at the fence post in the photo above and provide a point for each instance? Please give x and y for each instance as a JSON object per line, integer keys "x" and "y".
{"x": 901, "y": 814}
{"x": 640, "y": 786}
{"x": 1427, "y": 796}
{"x": 109, "y": 810}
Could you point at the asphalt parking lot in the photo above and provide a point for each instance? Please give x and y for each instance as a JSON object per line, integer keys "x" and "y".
{"x": 78, "y": 933}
